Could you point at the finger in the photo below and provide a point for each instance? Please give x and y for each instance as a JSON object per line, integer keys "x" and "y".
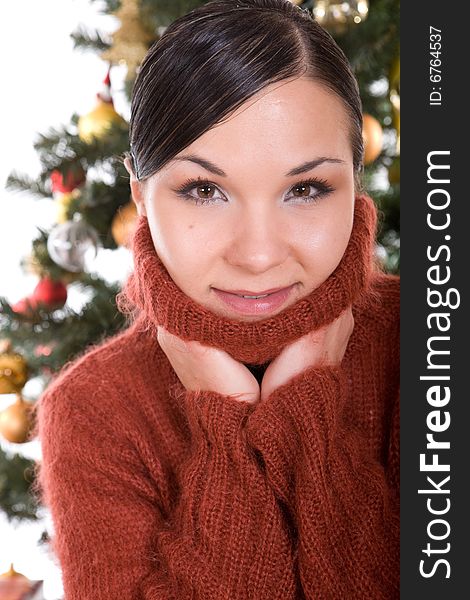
{"x": 170, "y": 341}
{"x": 348, "y": 320}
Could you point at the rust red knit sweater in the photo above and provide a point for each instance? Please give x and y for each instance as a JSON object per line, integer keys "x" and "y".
{"x": 159, "y": 493}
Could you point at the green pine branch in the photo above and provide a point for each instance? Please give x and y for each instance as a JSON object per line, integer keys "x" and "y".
{"x": 20, "y": 182}
{"x": 63, "y": 144}
{"x": 83, "y": 39}
{"x": 16, "y": 479}
{"x": 67, "y": 331}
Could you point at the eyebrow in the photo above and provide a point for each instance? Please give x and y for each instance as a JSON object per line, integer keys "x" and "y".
{"x": 306, "y": 166}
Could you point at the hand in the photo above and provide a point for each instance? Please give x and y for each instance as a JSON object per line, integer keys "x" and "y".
{"x": 323, "y": 347}
{"x": 207, "y": 368}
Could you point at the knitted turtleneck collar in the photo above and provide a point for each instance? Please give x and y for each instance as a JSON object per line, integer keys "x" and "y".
{"x": 159, "y": 301}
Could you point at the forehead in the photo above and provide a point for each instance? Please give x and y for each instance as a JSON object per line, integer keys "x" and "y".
{"x": 285, "y": 117}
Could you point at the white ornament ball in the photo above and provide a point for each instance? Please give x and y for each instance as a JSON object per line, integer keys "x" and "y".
{"x": 73, "y": 245}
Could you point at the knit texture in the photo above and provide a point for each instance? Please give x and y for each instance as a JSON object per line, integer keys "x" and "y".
{"x": 160, "y": 493}
{"x": 151, "y": 289}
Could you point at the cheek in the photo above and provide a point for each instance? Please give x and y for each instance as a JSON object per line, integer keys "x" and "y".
{"x": 183, "y": 244}
{"x": 323, "y": 246}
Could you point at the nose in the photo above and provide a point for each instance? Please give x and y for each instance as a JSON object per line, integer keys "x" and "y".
{"x": 258, "y": 242}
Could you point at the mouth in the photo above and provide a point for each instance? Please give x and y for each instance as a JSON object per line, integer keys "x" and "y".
{"x": 248, "y": 294}
{"x": 255, "y": 303}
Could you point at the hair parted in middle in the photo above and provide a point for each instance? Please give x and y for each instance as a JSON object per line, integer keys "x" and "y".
{"x": 214, "y": 58}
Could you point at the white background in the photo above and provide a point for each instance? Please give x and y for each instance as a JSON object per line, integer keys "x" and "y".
{"x": 44, "y": 81}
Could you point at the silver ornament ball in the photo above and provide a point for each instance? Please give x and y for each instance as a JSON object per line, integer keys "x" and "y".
{"x": 73, "y": 245}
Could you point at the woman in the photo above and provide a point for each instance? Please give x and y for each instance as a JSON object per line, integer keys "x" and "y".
{"x": 240, "y": 438}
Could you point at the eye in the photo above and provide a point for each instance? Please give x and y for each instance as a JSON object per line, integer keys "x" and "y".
{"x": 201, "y": 186}
{"x": 308, "y": 191}
{"x": 311, "y": 190}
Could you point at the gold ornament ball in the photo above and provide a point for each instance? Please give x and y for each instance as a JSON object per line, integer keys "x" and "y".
{"x": 96, "y": 123}
{"x": 13, "y": 370}
{"x": 396, "y": 125}
{"x": 394, "y": 84}
{"x": 12, "y": 573}
{"x": 394, "y": 78}
{"x": 394, "y": 171}
{"x": 123, "y": 224}
{"x": 63, "y": 202}
{"x": 14, "y": 584}
{"x": 16, "y": 421}
{"x": 373, "y": 138}
{"x": 338, "y": 15}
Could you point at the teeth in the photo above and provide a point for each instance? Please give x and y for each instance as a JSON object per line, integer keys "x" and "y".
{"x": 264, "y": 296}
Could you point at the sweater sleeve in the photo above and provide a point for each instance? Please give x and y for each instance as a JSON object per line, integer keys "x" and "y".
{"x": 344, "y": 503}
{"x": 224, "y": 539}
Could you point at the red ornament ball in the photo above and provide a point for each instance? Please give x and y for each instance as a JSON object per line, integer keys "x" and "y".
{"x": 52, "y": 294}
{"x": 24, "y": 307}
{"x": 64, "y": 185}
{"x": 48, "y": 293}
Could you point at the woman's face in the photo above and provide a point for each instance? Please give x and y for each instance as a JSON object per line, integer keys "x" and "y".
{"x": 240, "y": 210}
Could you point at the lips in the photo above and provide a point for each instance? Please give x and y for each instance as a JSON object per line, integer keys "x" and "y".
{"x": 249, "y": 293}
{"x": 269, "y": 301}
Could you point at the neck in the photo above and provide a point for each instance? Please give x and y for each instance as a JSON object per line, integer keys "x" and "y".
{"x": 151, "y": 298}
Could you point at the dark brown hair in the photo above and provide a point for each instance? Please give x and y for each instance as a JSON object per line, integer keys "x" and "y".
{"x": 211, "y": 60}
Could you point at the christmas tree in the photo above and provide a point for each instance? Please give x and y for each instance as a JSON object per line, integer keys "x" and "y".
{"x": 83, "y": 175}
